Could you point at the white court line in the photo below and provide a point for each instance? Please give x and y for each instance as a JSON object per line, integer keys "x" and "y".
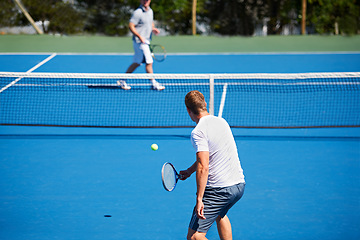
{"x": 186, "y": 84}
{"x": 190, "y": 53}
{"x": 29, "y": 71}
{"x": 222, "y": 103}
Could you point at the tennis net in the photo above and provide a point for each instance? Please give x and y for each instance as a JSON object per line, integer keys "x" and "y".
{"x": 244, "y": 100}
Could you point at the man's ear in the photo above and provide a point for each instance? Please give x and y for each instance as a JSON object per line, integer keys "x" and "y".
{"x": 188, "y": 110}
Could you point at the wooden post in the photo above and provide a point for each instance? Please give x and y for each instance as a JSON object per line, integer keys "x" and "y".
{"x": 303, "y": 20}
{"x": 194, "y": 17}
{"x": 29, "y": 18}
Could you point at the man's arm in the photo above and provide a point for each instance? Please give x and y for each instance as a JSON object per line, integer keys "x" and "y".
{"x": 136, "y": 34}
{"x": 201, "y": 166}
{"x": 185, "y": 174}
{"x": 202, "y": 172}
{"x": 154, "y": 29}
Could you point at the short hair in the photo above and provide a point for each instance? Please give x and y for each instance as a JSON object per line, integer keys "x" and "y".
{"x": 195, "y": 101}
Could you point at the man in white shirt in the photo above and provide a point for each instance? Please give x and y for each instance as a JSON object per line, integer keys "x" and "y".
{"x": 219, "y": 176}
{"x": 142, "y": 26}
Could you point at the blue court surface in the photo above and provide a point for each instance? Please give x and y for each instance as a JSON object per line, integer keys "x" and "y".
{"x": 59, "y": 183}
{"x": 188, "y": 63}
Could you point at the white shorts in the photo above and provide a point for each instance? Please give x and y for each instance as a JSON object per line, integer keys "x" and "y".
{"x": 142, "y": 53}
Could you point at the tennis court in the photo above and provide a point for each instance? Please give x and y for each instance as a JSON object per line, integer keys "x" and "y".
{"x": 59, "y": 182}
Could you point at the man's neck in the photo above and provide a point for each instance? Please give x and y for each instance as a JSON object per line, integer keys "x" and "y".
{"x": 202, "y": 114}
{"x": 145, "y": 8}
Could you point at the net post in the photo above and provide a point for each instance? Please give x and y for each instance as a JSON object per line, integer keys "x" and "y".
{"x": 211, "y": 99}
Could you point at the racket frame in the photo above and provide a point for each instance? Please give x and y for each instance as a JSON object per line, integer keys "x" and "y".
{"x": 152, "y": 46}
{"x": 177, "y": 176}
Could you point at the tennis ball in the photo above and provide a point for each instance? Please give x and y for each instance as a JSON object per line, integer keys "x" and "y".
{"x": 154, "y": 147}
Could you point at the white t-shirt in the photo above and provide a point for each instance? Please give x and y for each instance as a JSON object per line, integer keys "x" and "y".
{"x": 143, "y": 21}
{"x": 213, "y": 134}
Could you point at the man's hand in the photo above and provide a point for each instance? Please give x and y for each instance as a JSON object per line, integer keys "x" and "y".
{"x": 200, "y": 209}
{"x": 185, "y": 174}
{"x": 155, "y": 31}
{"x": 142, "y": 39}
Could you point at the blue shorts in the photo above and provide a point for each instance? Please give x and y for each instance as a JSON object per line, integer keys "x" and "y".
{"x": 217, "y": 202}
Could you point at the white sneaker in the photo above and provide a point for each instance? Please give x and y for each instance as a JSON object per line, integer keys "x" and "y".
{"x": 123, "y": 85}
{"x": 157, "y": 86}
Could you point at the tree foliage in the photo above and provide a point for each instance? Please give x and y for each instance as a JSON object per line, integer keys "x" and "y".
{"x": 108, "y": 17}
{"x": 8, "y": 14}
{"x": 173, "y": 16}
{"x": 230, "y": 17}
{"x": 327, "y": 15}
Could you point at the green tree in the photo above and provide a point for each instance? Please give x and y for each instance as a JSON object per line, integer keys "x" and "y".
{"x": 107, "y": 17}
{"x": 334, "y": 16}
{"x": 231, "y": 17}
{"x": 281, "y": 13}
{"x": 240, "y": 17}
{"x": 62, "y": 16}
{"x": 174, "y": 16}
{"x": 9, "y": 14}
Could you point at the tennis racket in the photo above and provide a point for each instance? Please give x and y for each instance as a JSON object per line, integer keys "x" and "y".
{"x": 169, "y": 176}
{"x": 158, "y": 52}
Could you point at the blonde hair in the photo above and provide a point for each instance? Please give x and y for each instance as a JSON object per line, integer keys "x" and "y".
{"x": 195, "y": 101}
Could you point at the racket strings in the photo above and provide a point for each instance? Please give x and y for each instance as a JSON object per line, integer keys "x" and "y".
{"x": 158, "y": 52}
{"x": 169, "y": 177}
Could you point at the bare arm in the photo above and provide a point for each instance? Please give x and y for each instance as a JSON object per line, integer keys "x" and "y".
{"x": 154, "y": 29}
{"x": 188, "y": 172}
{"x": 136, "y": 34}
{"x": 201, "y": 166}
{"x": 202, "y": 172}
{"x": 141, "y": 38}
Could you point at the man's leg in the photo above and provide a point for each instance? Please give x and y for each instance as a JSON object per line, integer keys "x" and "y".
{"x": 122, "y": 83}
{"x": 149, "y": 68}
{"x": 194, "y": 235}
{"x": 156, "y": 85}
{"x": 132, "y": 67}
{"x": 224, "y": 228}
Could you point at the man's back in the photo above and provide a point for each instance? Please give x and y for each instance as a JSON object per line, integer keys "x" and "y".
{"x": 214, "y": 135}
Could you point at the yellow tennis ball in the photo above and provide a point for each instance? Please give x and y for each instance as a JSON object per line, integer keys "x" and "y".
{"x": 154, "y": 147}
